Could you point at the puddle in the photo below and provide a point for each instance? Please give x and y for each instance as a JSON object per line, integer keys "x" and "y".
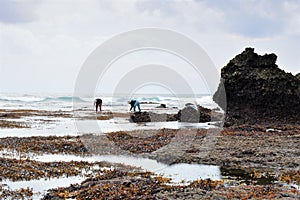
{"x": 242, "y": 176}
{"x": 178, "y": 172}
{"x": 292, "y": 186}
{"x": 190, "y": 172}
{"x": 4, "y": 153}
{"x": 181, "y": 174}
{"x": 42, "y": 185}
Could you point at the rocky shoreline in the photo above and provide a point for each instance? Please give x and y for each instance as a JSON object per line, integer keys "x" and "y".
{"x": 257, "y": 150}
{"x": 264, "y": 161}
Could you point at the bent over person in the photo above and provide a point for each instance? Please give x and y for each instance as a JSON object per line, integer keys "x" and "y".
{"x": 134, "y": 104}
{"x": 98, "y": 103}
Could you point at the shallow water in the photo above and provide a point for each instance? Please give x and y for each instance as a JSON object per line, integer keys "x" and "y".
{"x": 40, "y": 186}
{"x": 181, "y": 174}
{"x": 68, "y": 126}
{"x": 245, "y": 177}
{"x": 178, "y": 172}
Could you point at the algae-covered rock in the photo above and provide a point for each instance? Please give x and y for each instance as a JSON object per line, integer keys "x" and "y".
{"x": 140, "y": 117}
{"x": 257, "y": 91}
{"x": 152, "y": 117}
{"x": 190, "y": 113}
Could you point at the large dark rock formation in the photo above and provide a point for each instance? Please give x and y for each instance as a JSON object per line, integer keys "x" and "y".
{"x": 257, "y": 91}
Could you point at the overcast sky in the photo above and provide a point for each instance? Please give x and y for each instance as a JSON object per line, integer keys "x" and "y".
{"x": 43, "y": 44}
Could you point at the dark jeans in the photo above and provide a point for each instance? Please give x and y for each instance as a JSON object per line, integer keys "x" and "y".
{"x": 100, "y": 106}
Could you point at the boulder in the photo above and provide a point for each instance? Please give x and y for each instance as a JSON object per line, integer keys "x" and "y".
{"x": 152, "y": 117}
{"x": 190, "y": 113}
{"x": 205, "y": 114}
{"x": 140, "y": 117}
{"x": 194, "y": 114}
{"x": 162, "y": 106}
{"x": 258, "y": 91}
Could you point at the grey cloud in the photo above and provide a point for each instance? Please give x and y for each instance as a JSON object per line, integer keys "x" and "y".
{"x": 14, "y": 12}
{"x": 256, "y": 26}
{"x": 152, "y": 5}
{"x": 255, "y": 19}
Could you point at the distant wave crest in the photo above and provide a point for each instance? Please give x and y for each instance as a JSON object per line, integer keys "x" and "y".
{"x": 67, "y": 98}
{"x": 158, "y": 99}
{"x": 41, "y": 99}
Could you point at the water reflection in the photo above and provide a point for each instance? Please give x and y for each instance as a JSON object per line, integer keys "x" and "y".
{"x": 39, "y": 187}
{"x": 178, "y": 172}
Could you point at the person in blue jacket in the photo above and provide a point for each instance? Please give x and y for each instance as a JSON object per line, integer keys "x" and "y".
{"x": 134, "y": 103}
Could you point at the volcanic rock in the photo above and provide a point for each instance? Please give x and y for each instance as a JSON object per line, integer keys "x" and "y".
{"x": 152, "y": 117}
{"x": 190, "y": 113}
{"x": 194, "y": 114}
{"x": 257, "y": 91}
{"x": 140, "y": 117}
{"x": 162, "y": 106}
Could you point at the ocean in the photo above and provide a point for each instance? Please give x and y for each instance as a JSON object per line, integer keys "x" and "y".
{"x": 67, "y": 102}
